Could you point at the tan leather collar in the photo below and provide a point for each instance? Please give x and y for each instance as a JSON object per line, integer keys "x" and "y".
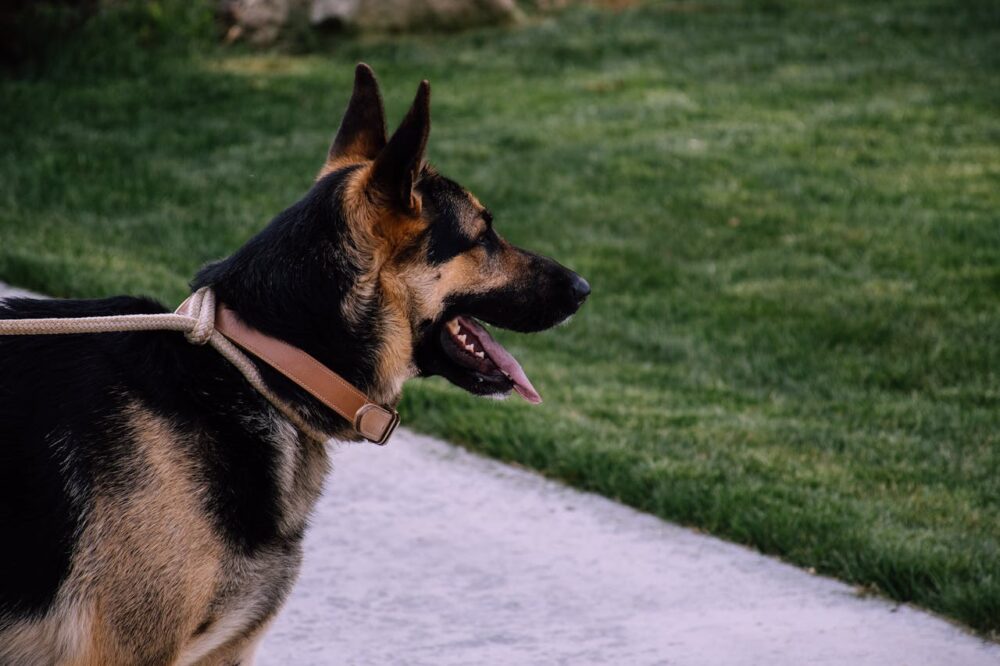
{"x": 373, "y": 421}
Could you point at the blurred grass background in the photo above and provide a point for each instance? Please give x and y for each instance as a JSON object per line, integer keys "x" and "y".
{"x": 789, "y": 213}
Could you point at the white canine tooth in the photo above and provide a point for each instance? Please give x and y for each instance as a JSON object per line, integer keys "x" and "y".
{"x": 462, "y": 339}
{"x": 470, "y": 348}
{"x": 453, "y": 326}
{"x": 480, "y": 354}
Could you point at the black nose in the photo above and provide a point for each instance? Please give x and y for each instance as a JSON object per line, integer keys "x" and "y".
{"x": 581, "y": 289}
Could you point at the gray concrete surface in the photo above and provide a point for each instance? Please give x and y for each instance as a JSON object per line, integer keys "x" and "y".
{"x": 422, "y": 553}
{"x": 7, "y": 291}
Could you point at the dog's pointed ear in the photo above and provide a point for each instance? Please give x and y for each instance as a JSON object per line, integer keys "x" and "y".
{"x": 362, "y": 131}
{"x": 398, "y": 166}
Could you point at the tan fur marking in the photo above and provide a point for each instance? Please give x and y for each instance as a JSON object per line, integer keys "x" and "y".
{"x": 240, "y": 650}
{"x": 377, "y": 236}
{"x": 336, "y": 164}
{"x": 62, "y": 637}
{"x": 475, "y": 224}
{"x": 385, "y": 234}
{"x": 144, "y": 569}
{"x": 153, "y": 555}
{"x": 149, "y": 567}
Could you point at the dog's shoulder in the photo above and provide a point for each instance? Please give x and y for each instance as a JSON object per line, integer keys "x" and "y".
{"x": 79, "y": 416}
{"x": 62, "y": 403}
{"x": 57, "y": 395}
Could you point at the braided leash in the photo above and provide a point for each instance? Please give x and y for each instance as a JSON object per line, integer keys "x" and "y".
{"x": 198, "y": 328}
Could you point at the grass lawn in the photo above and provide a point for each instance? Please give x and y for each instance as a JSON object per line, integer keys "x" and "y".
{"x": 789, "y": 213}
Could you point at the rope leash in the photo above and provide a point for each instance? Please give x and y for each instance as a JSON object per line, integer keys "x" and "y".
{"x": 198, "y": 329}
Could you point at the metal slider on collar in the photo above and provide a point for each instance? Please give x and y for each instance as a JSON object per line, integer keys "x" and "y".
{"x": 376, "y": 423}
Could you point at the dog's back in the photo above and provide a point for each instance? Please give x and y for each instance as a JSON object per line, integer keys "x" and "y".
{"x": 135, "y": 504}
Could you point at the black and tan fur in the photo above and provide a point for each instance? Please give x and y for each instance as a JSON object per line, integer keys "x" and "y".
{"x": 152, "y": 503}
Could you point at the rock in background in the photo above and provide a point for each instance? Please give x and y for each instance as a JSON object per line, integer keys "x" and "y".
{"x": 262, "y": 21}
{"x": 393, "y": 15}
{"x": 257, "y": 21}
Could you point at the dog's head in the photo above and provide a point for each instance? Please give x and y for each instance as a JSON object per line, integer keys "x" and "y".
{"x": 387, "y": 269}
{"x": 437, "y": 257}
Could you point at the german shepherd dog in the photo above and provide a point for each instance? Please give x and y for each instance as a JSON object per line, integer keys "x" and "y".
{"x": 152, "y": 503}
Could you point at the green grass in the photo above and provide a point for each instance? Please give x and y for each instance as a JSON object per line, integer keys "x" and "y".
{"x": 789, "y": 212}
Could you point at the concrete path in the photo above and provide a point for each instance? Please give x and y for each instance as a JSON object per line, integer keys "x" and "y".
{"x": 7, "y": 291}
{"x": 422, "y": 553}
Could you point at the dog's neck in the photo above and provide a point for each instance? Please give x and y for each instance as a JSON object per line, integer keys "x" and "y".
{"x": 293, "y": 281}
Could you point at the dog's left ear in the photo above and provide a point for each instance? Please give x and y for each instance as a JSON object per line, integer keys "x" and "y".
{"x": 362, "y": 131}
{"x": 397, "y": 168}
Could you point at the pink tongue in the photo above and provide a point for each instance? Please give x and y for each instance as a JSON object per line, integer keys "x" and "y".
{"x": 503, "y": 360}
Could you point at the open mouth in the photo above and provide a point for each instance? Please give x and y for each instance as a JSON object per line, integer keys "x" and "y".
{"x": 467, "y": 343}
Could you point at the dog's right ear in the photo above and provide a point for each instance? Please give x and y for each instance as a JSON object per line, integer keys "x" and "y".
{"x": 362, "y": 131}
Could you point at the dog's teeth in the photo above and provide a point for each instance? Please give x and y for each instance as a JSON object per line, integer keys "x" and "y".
{"x": 453, "y": 326}
{"x": 470, "y": 348}
{"x": 480, "y": 354}
{"x": 461, "y": 339}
